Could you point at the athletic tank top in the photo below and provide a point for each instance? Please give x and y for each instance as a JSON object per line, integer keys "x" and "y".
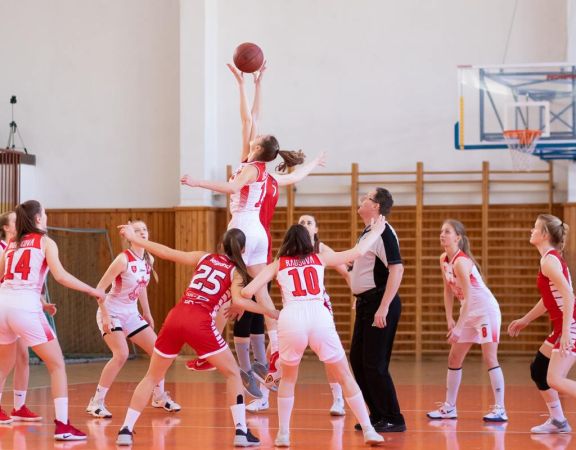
{"x": 267, "y": 210}
{"x": 3, "y": 245}
{"x": 25, "y": 266}
{"x": 128, "y": 285}
{"x": 250, "y": 197}
{"x": 550, "y": 295}
{"x": 480, "y": 295}
{"x": 210, "y": 284}
{"x": 301, "y": 279}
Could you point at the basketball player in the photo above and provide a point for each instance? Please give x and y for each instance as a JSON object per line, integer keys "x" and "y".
{"x": 557, "y": 354}
{"x": 25, "y": 264}
{"x": 22, "y": 365}
{"x": 478, "y": 323}
{"x": 118, "y": 319}
{"x": 216, "y": 279}
{"x": 305, "y": 320}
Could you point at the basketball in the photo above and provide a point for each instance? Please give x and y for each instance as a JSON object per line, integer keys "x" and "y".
{"x": 248, "y": 57}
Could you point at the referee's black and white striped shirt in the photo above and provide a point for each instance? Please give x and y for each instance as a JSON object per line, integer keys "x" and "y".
{"x": 371, "y": 269}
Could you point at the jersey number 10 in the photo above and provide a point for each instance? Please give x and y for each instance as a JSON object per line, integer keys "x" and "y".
{"x": 310, "y": 279}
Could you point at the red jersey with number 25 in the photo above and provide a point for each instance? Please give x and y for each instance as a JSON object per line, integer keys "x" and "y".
{"x": 25, "y": 266}
{"x": 301, "y": 279}
{"x": 210, "y": 284}
{"x": 250, "y": 197}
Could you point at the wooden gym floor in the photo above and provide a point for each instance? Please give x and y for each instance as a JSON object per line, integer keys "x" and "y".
{"x": 205, "y": 423}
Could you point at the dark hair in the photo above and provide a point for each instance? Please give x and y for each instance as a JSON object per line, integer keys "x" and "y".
{"x": 384, "y": 199}
{"x": 25, "y": 215}
{"x": 296, "y": 242}
{"x": 271, "y": 149}
{"x": 233, "y": 243}
{"x": 147, "y": 256}
{"x": 556, "y": 229}
{"x": 464, "y": 243}
{"x": 4, "y": 221}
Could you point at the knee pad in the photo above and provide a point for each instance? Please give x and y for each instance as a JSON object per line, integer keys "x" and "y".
{"x": 242, "y": 326}
{"x": 539, "y": 371}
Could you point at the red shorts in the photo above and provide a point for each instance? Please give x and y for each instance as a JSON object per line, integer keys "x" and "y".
{"x": 192, "y": 325}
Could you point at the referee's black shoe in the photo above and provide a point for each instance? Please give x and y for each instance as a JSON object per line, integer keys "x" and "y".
{"x": 384, "y": 427}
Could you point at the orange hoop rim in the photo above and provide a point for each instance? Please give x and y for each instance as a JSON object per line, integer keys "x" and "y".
{"x": 524, "y": 138}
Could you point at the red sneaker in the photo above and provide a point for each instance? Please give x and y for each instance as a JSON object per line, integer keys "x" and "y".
{"x": 5, "y": 418}
{"x": 200, "y": 365}
{"x": 25, "y": 414}
{"x": 66, "y": 432}
{"x": 272, "y": 380}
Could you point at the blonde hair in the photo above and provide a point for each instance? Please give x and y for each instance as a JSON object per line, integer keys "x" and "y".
{"x": 556, "y": 230}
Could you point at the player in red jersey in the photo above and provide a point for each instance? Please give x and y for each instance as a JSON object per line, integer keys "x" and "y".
{"x": 216, "y": 279}
{"x": 22, "y": 365}
{"x": 305, "y": 320}
{"x": 558, "y": 352}
{"x": 479, "y": 321}
{"x": 119, "y": 319}
{"x": 25, "y": 264}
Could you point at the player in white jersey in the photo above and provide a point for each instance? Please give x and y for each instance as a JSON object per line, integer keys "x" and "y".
{"x": 119, "y": 319}
{"x": 21, "y": 376}
{"x": 305, "y": 320}
{"x": 24, "y": 266}
{"x": 478, "y": 323}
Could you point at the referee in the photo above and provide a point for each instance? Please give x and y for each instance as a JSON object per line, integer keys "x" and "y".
{"x": 375, "y": 279}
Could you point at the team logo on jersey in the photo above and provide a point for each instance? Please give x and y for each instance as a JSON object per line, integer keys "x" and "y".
{"x": 134, "y": 269}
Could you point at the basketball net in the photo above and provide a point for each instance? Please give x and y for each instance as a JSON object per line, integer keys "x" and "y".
{"x": 522, "y": 144}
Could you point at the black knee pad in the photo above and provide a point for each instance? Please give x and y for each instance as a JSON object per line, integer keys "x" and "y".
{"x": 539, "y": 371}
{"x": 257, "y": 326}
{"x": 242, "y": 326}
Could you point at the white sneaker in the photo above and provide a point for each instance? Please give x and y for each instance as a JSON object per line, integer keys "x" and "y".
{"x": 337, "y": 408}
{"x": 97, "y": 409}
{"x": 258, "y": 405}
{"x": 498, "y": 414}
{"x": 124, "y": 437}
{"x": 166, "y": 402}
{"x": 552, "y": 426}
{"x": 446, "y": 411}
{"x": 371, "y": 437}
{"x": 282, "y": 439}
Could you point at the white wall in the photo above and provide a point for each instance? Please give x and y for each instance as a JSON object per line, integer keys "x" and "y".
{"x": 370, "y": 81}
{"x": 97, "y": 86}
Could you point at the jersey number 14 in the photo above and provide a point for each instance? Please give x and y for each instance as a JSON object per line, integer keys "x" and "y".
{"x": 22, "y": 266}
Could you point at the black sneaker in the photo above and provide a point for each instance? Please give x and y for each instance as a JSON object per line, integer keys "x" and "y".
{"x": 358, "y": 427}
{"x": 387, "y": 427}
{"x": 124, "y": 437}
{"x": 247, "y": 439}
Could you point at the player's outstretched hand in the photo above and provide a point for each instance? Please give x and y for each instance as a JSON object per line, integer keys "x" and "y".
{"x": 237, "y": 74}
{"x": 127, "y": 231}
{"x": 320, "y": 160}
{"x": 259, "y": 74}
{"x": 49, "y": 308}
{"x": 516, "y": 326}
{"x": 187, "y": 180}
{"x": 273, "y": 313}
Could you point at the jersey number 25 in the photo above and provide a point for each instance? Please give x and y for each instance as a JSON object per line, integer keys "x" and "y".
{"x": 207, "y": 280}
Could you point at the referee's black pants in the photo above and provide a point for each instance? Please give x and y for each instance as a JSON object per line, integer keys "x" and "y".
{"x": 370, "y": 354}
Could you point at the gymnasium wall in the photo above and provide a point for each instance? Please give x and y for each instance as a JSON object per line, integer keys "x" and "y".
{"x": 99, "y": 88}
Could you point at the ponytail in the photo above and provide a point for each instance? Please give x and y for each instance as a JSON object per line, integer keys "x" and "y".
{"x": 148, "y": 260}
{"x": 291, "y": 158}
{"x": 233, "y": 243}
{"x": 25, "y": 219}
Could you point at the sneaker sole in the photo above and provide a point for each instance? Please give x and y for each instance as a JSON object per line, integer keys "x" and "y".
{"x": 194, "y": 369}
{"x": 99, "y": 416}
{"x": 442, "y": 418}
{"x": 64, "y": 437}
{"x": 26, "y": 419}
{"x": 256, "y": 411}
{"x": 551, "y": 432}
{"x": 485, "y": 419}
{"x": 374, "y": 442}
{"x": 337, "y": 413}
{"x": 124, "y": 444}
{"x": 282, "y": 444}
{"x": 6, "y": 422}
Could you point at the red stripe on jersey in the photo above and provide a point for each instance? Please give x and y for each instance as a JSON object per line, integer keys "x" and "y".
{"x": 131, "y": 257}
{"x": 43, "y": 270}
{"x": 3, "y": 244}
{"x": 550, "y": 296}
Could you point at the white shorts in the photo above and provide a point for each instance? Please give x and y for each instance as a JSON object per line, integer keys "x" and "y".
{"x": 256, "y": 248}
{"x": 124, "y": 318}
{"x": 15, "y": 322}
{"x": 308, "y": 323}
{"x": 482, "y": 328}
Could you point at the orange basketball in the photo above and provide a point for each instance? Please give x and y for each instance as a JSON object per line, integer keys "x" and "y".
{"x": 248, "y": 57}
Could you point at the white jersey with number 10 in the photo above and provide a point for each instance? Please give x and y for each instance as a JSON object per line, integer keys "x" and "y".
{"x": 301, "y": 279}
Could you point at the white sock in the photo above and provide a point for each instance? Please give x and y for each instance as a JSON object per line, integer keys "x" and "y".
{"x": 497, "y": 382}
{"x": 158, "y": 391}
{"x": 19, "y": 399}
{"x": 239, "y": 416}
{"x": 242, "y": 347}
{"x": 358, "y": 407}
{"x": 258, "y": 344}
{"x": 273, "y": 336}
{"x": 100, "y": 394}
{"x": 453, "y": 379}
{"x": 555, "y": 410}
{"x": 131, "y": 418}
{"x": 61, "y": 409}
{"x": 265, "y": 394}
{"x": 285, "y": 405}
{"x": 336, "y": 391}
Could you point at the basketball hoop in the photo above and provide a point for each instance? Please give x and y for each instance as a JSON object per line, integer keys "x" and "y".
{"x": 522, "y": 144}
